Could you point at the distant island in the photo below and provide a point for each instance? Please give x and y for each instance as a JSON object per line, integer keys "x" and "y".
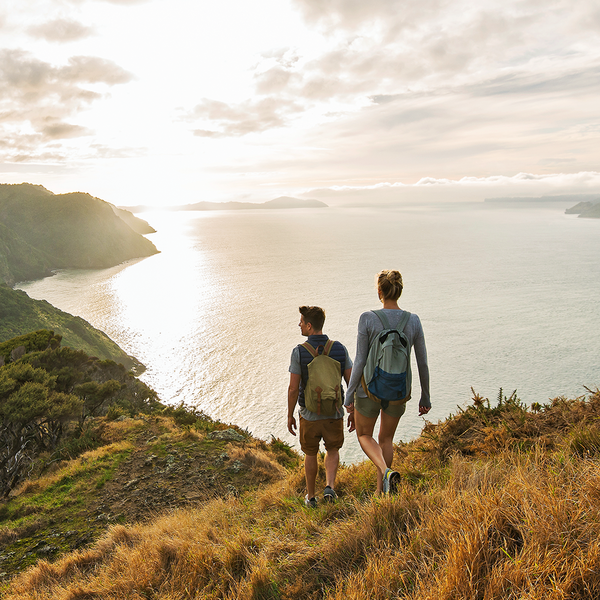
{"x": 587, "y": 210}
{"x": 281, "y": 202}
{"x": 563, "y": 198}
{"x": 588, "y": 205}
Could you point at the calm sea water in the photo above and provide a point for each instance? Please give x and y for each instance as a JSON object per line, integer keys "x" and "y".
{"x": 508, "y": 296}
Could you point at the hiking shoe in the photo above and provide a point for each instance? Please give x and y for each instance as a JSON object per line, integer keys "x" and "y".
{"x": 310, "y": 502}
{"x": 329, "y": 494}
{"x": 391, "y": 479}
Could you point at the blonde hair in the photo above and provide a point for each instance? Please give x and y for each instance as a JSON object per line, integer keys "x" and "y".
{"x": 389, "y": 284}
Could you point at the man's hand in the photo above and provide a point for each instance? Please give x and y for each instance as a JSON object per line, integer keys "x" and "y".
{"x": 292, "y": 424}
{"x": 423, "y": 410}
{"x": 351, "y": 424}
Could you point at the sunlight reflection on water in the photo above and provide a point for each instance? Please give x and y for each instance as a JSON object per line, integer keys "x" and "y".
{"x": 508, "y": 297}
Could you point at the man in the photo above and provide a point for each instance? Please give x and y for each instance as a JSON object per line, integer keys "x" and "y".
{"x": 315, "y": 427}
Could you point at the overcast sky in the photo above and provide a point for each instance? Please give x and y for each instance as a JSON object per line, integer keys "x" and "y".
{"x": 178, "y": 101}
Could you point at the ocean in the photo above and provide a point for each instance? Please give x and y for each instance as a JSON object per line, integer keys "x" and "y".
{"x": 508, "y": 294}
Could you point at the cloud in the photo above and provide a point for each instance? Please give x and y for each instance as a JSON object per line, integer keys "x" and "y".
{"x": 353, "y": 14}
{"x": 91, "y": 69}
{"x": 387, "y": 46}
{"x": 37, "y": 98}
{"x": 252, "y": 116}
{"x": 61, "y": 31}
{"x": 125, "y": 2}
{"x": 466, "y": 189}
{"x": 58, "y": 130}
{"x": 385, "y": 51}
{"x": 27, "y": 77}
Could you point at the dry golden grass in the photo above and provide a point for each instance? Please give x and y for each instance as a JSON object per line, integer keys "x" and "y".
{"x": 262, "y": 464}
{"x": 517, "y": 523}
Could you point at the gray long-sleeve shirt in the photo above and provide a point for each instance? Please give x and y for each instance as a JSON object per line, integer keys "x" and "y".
{"x": 369, "y": 326}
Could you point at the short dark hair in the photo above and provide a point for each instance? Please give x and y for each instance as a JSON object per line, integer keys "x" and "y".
{"x": 314, "y": 315}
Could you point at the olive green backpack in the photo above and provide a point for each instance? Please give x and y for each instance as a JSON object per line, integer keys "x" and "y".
{"x": 323, "y": 392}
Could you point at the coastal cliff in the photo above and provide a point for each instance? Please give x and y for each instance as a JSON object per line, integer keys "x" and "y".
{"x": 41, "y": 231}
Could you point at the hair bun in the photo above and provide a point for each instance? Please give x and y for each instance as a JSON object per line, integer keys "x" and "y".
{"x": 394, "y": 277}
{"x": 389, "y": 283}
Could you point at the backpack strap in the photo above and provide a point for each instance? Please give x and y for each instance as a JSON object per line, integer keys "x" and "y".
{"x": 386, "y": 324}
{"x": 328, "y": 347}
{"x": 312, "y": 351}
{"x": 404, "y": 321}
{"x": 382, "y": 317}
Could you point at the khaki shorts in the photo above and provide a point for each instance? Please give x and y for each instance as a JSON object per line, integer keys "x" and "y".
{"x": 331, "y": 431}
{"x": 371, "y": 409}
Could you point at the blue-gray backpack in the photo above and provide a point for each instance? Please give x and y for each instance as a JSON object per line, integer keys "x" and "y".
{"x": 386, "y": 377}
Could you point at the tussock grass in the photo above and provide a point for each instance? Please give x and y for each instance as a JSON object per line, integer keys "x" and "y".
{"x": 518, "y": 517}
{"x": 73, "y": 468}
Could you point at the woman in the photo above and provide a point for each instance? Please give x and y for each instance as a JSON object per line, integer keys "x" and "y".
{"x": 365, "y": 411}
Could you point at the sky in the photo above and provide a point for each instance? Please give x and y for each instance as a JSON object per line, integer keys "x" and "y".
{"x": 168, "y": 102}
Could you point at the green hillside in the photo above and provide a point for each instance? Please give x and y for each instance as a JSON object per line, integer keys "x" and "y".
{"x": 20, "y": 315}
{"x": 85, "y": 445}
{"x": 19, "y": 261}
{"x": 72, "y": 230}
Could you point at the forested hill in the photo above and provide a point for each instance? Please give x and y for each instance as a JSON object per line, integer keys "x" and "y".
{"x": 20, "y": 315}
{"x": 40, "y": 231}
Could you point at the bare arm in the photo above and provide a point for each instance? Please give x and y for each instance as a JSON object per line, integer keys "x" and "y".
{"x": 347, "y": 374}
{"x": 350, "y": 407}
{"x": 293, "y": 391}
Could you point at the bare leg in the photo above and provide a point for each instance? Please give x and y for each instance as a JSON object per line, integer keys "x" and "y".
{"x": 387, "y": 429}
{"x": 310, "y": 473}
{"x": 332, "y": 461}
{"x": 364, "y": 431}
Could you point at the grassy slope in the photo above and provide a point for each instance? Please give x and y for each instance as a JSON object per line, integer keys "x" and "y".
{"x": 137, "y": 467}
{"x": 496, "y": 502}
{"x": 20, "y": 314}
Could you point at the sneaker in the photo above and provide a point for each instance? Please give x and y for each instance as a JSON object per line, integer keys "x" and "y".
{"x": 329, "y": 494}
{"x": 310, "y": 502}
{"x": 391, "y": 479}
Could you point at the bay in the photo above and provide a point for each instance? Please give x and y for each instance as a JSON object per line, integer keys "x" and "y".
{"x": 507, "y": 294}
